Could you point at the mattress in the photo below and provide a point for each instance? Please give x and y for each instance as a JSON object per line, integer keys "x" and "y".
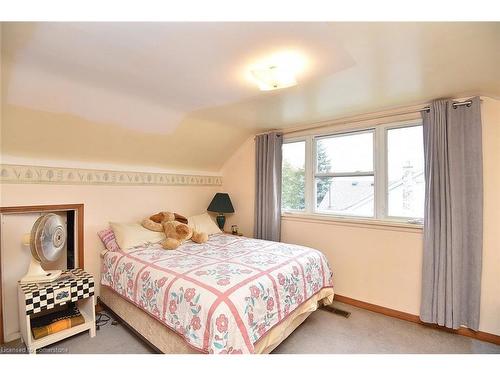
{"x": 223, "y": 296}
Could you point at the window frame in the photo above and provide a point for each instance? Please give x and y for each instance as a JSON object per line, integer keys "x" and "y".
{"x": 372, "y": 173}
{"x": 379, "y": 173}
{"x": 386, "y": 174}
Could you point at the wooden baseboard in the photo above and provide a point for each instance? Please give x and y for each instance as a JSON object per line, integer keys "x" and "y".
{"x": 378, "y": 309}
{"x": 479, "y": 335}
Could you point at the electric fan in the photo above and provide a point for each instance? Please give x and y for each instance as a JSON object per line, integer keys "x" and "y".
{"x": 46, "y": 241}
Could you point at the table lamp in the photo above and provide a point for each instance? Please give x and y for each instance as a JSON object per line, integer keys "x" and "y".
{"x": 221, "y": 203}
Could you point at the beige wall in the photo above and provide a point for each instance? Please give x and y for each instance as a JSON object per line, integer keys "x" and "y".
{"x": 490, "y": 291}
{"x": 370, "y": 263}
{"x": 378, "y": 264}
{"x": 239, "y": 181}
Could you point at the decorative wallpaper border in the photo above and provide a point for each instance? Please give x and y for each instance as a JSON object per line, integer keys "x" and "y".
{"x": 30, "y": 174}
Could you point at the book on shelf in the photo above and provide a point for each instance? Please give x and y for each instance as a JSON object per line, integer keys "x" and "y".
{"x": 57, "y": 321}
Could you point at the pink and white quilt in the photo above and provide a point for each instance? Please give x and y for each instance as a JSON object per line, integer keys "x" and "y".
{"x": 221, "y": 296}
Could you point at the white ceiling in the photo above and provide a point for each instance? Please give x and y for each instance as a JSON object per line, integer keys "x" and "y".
{"x": 159, "y": 77}
{"x": 170, "y": 69}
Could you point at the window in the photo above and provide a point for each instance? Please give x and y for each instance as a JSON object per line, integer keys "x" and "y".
{"x": 344, "y": 177}
{"x": 293, "y": 176}
{"x": 405, "y": 172}
{"x": 369, "y": 173}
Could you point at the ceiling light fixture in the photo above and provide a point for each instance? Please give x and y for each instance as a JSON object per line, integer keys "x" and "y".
{"x": 273, "y": 77}
{"x": 277, "y": 71}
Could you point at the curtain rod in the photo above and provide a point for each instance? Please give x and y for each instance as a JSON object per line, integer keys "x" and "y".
{"x": 455, "y": 105}
{"x": 345, "y": 120}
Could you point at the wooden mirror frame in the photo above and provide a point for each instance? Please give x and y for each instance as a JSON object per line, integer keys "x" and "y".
{"x": 78, "y": 208}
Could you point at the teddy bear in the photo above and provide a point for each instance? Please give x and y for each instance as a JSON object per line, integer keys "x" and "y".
{"x": 175, "y": 228}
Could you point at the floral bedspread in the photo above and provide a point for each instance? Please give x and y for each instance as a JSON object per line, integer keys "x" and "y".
{"x": 221, "y": 296}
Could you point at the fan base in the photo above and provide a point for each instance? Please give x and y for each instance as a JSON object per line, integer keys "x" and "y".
{"x": 36, "y": 274}
{"x": 49, "y": 276}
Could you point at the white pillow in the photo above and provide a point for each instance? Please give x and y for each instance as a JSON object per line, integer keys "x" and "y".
{"x": 132, "y": 234}
{"x": 203, "y": 223}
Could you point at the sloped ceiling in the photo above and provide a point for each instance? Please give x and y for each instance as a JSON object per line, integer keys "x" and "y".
{"x": 175, "y": 95}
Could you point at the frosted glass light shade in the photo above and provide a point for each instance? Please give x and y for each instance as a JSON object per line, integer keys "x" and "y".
{"x": 273, "y": 78}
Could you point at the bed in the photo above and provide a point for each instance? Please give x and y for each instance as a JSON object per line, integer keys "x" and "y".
{"x": 229, "y": 295}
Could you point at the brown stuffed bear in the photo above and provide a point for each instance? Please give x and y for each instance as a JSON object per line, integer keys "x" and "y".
{"x": 175, "y": 228}
{"x": 160, "y": 217}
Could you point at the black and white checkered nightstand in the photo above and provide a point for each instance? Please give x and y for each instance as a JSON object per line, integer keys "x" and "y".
{"x": 34, "y": 299}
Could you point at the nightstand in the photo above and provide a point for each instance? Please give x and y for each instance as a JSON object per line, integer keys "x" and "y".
{"x": 36, "y": 299}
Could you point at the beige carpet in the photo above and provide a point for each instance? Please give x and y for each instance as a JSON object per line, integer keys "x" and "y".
{"x": 367, "y": 332}
{"x": 322, "y": 332}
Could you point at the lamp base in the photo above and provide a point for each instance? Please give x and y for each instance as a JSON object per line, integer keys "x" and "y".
{"x": 221, "y": 220}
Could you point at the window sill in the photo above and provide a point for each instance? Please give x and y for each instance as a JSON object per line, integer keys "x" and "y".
{"x": 356, "y": 222}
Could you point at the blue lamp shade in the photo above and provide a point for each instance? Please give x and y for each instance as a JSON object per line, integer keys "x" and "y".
{"x": 221, "y": 203}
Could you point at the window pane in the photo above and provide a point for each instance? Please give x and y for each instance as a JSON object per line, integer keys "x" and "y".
{"x": 405, "y": 163}
{"x": 345, "y": 153}
{"x": 349, "y": 196}
{"x": 293, "y": 176}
